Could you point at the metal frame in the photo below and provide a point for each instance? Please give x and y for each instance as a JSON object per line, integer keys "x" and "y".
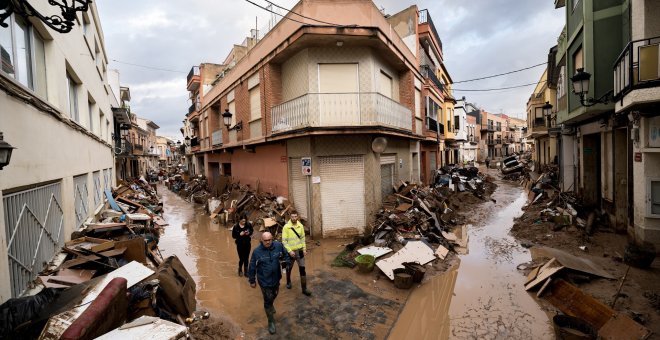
{"x": 80, "y": 199}
{"x": 34, "y": 222}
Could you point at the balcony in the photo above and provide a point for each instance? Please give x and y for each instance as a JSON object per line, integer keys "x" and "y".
{"x": 425, "y": 18}
{"x": 427, "y": 72}
{"x": 340, "y": 110}
{"x": 193, "y": 79}
{"x": 216, "y": 137}
{"x": 637, "y": 67}
{"x": 123, "y": 148}
{"x": 498, "y": 141}
{"x": 488, "y": 127}
{"x": 539, "y": 123}
{"x": 191, "y": 109}
{"x": 490, "y": 141}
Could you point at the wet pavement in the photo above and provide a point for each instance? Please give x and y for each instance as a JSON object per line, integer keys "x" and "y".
{"x": 344, "y": 304}
{"x": 490, "y": 301}
{"x": 482, "y": 298}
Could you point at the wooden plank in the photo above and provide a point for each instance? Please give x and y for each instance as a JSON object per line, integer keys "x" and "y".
{"x": 544, "y": 287}
{"x": 404, "y": 207}
{"x": 79, "y": 260}
{"x": 532, "y": 275}
{"x": 621, "y": 327}
{"x": 572, "y": 301}
{"x": 441, "y": 252}
{"x": 548, "y": 269}
{"x": 135, "y": 249}
{"x": 113, "y": 252}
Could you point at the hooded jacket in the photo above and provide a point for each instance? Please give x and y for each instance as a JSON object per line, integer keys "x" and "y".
{"x": 265, "y": 264}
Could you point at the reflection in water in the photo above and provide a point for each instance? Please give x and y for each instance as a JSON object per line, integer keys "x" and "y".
{"x": 490, "y": 301}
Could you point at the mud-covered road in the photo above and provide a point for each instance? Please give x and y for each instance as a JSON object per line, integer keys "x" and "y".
{"x": 481, "y": 298}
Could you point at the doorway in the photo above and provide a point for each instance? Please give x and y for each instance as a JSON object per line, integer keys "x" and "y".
{"x": 592, "y": 169}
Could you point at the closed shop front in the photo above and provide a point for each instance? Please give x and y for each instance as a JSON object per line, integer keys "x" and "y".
{"x": 342, "y": 193}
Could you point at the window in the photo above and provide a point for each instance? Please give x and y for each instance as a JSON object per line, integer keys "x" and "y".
{"x": 457, "y": 124}
{"x": 72, "y": 90}
{"x": 22, "y": 54}
{"x": 90, "y": 111}
{"x": 86, "y": 23}
{"x": 338, "y": 78}
{"x": 654, "y": 197}
{"x": 385, "y": 85}
{"x": 101, "y": 119}
{"x": 578, "y": 60}
{"x": 418, "y": 105}
{"x": 255, "y": 103}
{"x": 232, "y": 109}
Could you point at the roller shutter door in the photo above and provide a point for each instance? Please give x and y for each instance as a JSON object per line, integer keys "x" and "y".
{"x": 342, "y": 192}
{"x": 298, "y": 187}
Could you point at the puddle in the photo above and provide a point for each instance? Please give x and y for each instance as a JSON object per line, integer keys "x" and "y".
{"x": 489, "y": 300}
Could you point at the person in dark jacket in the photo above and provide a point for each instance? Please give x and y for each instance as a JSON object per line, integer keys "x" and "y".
{"x": 242, "y": 233}
{"x": 265, "y": 264}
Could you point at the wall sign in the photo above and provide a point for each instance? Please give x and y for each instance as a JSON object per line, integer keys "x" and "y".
{"x": 638, "y": 156}
{"x": 306, "y": 163}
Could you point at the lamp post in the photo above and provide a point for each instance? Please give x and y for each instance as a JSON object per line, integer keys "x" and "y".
{"x": 581, "y": 87}
{"x": 5, "y": 152}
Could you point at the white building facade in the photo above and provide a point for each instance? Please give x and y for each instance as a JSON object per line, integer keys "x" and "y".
{"x": 56, "y": 109}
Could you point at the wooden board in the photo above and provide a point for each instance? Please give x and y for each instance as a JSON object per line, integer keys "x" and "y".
{"x": 135, "y": 249}
{"x": 532, "y": 275}
{"x": 91, "y": 243}
{"x": 441, "y": 252}
{"x": 550, "y": 268}
{"x": 610, "y": 324}
{"x": 573, "y": 262}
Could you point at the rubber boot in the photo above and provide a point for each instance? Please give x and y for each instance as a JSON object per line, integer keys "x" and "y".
{"x": 303, "y": 283}
{"x": 240, "y": 271}
{"x": 288, "y": 277}
{"x": 271, "y": 320}
{"x": 245, "y": 270}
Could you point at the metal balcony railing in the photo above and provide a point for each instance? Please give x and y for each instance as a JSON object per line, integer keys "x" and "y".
{"x": 216, "y": 137}
{"x": 191, "y": 109}
{"x": 539, "y": 122}
{"x": 425, "y": 18}
{"x": 490, "y": 141}
{"x": 138, "y": 147}
{"x": 488, "y": 127}
{"x": 432, "y": 124}
{"x": 194, "y": 71}
{"x": 340, "y": 110}
{"x": 637, "y": 66}
{"x": 498, "y": 141}
{"x": 427, "y": 71}
{"x": 498, "y": 128}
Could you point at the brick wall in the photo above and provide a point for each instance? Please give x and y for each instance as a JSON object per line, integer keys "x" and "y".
{"x": 271, "y": 93}
{"x": 407, "y": 93}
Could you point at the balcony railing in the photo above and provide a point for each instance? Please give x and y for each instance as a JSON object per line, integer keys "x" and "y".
{"x": 539, "y": 122}
{"x": 216, "y": 137}
{"x": 191, "y": 109}
{"x": 498, "y": 128}
{"x": 340, "y": 109}
{"x": 432, "y": 124}
{"x": 490, "y": 141}
{"x": 498, "y": 141}
{"x": 488, "y": 127}
{"x": 194, "y": 71}
{"x": 425, "y": 18}
{"x": 123, "y": 147}
{"x": 427, "y": 71}
{"x": 138, "y": 147}
{"x": 638, "y": 66}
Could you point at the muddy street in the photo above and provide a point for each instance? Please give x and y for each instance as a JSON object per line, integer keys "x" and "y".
{"x": 344, "y": 303}
{"x": 489, "y": 300}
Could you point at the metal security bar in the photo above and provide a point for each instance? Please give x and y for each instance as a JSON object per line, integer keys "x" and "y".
{"x": 98, "y": 192}
{"x": 33, "y": 225}
{"x": 107, "y": 179}
{"x": 80, "y": 194}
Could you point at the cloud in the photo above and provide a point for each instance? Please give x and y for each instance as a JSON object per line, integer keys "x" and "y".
{"x": 480, "y": 38}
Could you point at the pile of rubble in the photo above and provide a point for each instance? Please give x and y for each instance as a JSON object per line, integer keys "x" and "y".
{"x": 110, "y": 280}
{"x": 195, "y": 190}
{"x": 419, "y": 224}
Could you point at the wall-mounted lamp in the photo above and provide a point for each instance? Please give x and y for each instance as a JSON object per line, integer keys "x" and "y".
{"x": 547, "y": 109}
{"x": 226, "y": 118}
{"x": 5, "y": 152}
{"x": 581, "y": 87}
{"x": 61, "y": 23}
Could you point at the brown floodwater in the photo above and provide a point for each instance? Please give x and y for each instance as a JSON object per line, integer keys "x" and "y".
{"x": 482, "y": 297}
{"x": 346, "y": 304}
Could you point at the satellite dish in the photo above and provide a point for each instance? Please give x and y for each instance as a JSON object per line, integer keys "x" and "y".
{"x": 379, "y": 144}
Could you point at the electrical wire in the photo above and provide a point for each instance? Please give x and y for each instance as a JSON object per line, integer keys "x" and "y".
{"x": 148, "y": 67}
{"x": 300, "y": 15}
{"x": 501, "y": 74}
{"x": 268, "y": 10}
{"x": 499, "y": 88}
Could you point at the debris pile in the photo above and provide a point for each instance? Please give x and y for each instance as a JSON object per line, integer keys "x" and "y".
{"x": 420, "y": 224}
{"x": 110, "y": 278}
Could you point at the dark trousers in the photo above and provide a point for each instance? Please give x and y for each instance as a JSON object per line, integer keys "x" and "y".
{"x": 269, "y": 293}
{"x": 243, "y": 255}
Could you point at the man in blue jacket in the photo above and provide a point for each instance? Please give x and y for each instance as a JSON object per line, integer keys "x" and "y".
{"x": 265, "y": 265}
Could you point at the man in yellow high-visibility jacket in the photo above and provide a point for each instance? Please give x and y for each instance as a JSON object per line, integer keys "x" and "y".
{"x": 293, "y": 238}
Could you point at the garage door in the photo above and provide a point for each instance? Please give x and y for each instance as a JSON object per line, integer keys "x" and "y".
{"x": 298, "y": 187}
{"x": 342, "y": 192}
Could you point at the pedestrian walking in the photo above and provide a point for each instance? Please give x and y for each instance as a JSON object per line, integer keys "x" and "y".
{"x": 265, "y": 264}
{"x": 487, "y": 162}
{"x": 293, "y": 237}
{"x": 242, "y": 233}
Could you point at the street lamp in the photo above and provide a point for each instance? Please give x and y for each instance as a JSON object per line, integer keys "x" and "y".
{"x": 61, "y": 23}
{"x": 5, "y": 152}
{"x": 581, "y": 88}
{"x": 547, "y": 109}
{"x": 226, "y": 117}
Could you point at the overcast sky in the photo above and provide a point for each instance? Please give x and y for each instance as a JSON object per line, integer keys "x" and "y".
{"x": 480, "y": 38}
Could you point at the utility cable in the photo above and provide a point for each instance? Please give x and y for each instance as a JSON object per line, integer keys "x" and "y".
{"x": 300, "y": 15}
{"x": 283, "y": 16}
{"x": 147, "y": 67}
{"x": 501, "y": 74}
{"x": 499, "y": 88}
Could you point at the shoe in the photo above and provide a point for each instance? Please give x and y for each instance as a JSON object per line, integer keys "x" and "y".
{"x": 303, "y": 284}
{"x": 240, "y": 272}
{"x": 288, "y": 285}
{"x": 271, "y": 321}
